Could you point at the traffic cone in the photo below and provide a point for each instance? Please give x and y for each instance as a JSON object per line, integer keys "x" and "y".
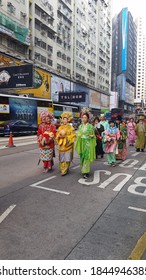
{"x": 10, "y": 144}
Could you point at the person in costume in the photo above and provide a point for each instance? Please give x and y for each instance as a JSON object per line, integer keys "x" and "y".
{"x": 85, "y": 144}
{"x": 131, "y": 132}
{"x": 46, "y": 135}
{"x": 98, "y": 129}
{"x": 112, "y": 134}
{"x": 122, "y": 147}
{"x": 140, "y": 135}
{"x": 65, "y": 138}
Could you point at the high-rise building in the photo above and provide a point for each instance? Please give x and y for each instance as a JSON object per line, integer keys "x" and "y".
{"x": 124, "y": 59}
{"x": 140, "y": 94}
{"x": 68, "y": 38}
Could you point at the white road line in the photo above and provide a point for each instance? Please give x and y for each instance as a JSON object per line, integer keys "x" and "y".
{"x": 19, "y": 144}
{"x": 51, "y": 190}
{"x": 137, "y": 209}
{"x": 75, "y": 167}
{"x": 40, "y": 182}
{"x": 36, "y": 185}
{"x": 7, "y": 212}
{"x": 135, "y": 154}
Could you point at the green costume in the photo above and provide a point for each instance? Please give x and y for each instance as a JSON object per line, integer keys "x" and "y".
{"x": 85, "y": 146}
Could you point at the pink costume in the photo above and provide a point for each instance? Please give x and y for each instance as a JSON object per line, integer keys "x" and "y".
{"x": 131, "y": 132}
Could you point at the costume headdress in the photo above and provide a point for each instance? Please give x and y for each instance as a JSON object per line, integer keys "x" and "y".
{"x": 67, "y": 115}
{"x": 85, "y": 111}
{"x": 43, "y": 114}
{"x": 50, "y": 115}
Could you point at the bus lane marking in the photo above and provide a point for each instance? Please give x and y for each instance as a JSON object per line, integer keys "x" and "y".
{"x": 139, "y": 248}
{"x": 37, "y": 186}
{"x": 137, "y": 209}
{"x": 7, "y": 212}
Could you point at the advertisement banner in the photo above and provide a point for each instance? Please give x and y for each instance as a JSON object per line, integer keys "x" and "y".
{"x": 94, "y": 99}
{"x": 59, "y": 85}
{"x": 41, "y": 86}
{"x": 72, "y": 97}
{"x": 80, "y": 88}
{"x": 105, "y": 101}
{"x": 23, "y": 109}
{"x": 16, "y": 76}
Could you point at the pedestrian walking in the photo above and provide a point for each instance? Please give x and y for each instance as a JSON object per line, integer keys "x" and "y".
{"x": 112, "y": 134}
{"x": 131, "y": 126}
{"x": 140, "y": 135}
{"x": 46, "y": 135}
{"x": 98, "y": 129}
{"x": 65, "y": 138}
{"x": 85, "y": 144}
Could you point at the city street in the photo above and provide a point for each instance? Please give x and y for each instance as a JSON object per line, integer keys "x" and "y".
{"x": 46, "y": 216}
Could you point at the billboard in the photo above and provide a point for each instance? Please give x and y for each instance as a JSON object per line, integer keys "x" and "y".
{"x": 124, "y": 38}
{"x": 94, "y": 99}
{"x": 41, "y": 86}
{"x": 59, "y": 85}
{"x": 23, "y": 109}
{"x": 72, "y": 96}
{"x": 16, "y": 76}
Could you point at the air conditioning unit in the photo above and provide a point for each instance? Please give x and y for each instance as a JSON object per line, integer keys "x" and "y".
{"x": 43, "y": 32}
{"x": 23, "y": 14}
{"x": 9, "y": 4}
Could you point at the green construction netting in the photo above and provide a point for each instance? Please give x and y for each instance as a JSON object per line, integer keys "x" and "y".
{"x": 20, "y": 31}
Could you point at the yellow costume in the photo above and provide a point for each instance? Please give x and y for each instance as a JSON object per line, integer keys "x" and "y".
{"x": 65, "y": 138}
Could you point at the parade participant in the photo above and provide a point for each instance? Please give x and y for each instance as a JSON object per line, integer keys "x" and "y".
{"x": 98, "y": 129}
{"x": 122, "y": 147}
{"x": 140, "y": 135}
{"x": 104, "y": 122}
{"x": 131, "y": 132}
{"x": 112, "y": 134}
{"x": 85, "y": 144}
{"x": 65, "y": 138}
{"x": 46, "y": 134}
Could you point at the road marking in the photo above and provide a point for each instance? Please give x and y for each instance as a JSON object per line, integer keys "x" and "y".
{"x": 137, "y": 209}
{"x": 75, "y": 167}
{"x": 45, "y": 180}
{"x": 135, "y": 154}
{"x": 36, "y": 185}
{"x": 19, "y": 144}
{"x": 139, "y": 249}
{"x": 51, "y": 190}
{"x": 7, "y": 212}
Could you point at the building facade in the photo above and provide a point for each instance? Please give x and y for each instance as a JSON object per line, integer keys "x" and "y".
{"x": 140, "y": 94}
{"x": 124, "y": 50}
{"x": 69, "y": 39}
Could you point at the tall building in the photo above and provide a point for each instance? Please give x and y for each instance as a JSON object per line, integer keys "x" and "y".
{"x": 124, "y": 59}
{"x": 67, "y": 38}
{"x": 140, "y": 94}
{"x": 14, "y": 29}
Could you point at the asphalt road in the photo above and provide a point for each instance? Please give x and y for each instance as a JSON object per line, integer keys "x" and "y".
{"x": 46, "y": 216}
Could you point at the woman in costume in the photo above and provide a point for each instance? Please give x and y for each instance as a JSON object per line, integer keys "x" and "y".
{"x": 85, "y": 144}
{"x": 112, "y": 134}
{"x": 46, "y": 135}
{"x": 65, "y": 138}
{"x": 122, "y": 147}
{"x": 98, "y": 129}
{"x": 131, "y": 132}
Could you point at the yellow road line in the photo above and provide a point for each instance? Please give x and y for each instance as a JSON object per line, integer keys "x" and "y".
{"x": 139, "y": 249}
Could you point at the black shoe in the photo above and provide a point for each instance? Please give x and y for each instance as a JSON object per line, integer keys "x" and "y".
{"x": 142, "y": 150}
{"x": 137, "y": 150}
{"x": 85, "y": 176}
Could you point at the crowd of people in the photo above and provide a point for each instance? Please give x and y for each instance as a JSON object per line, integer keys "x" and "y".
{"x": 93, "y": 139}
